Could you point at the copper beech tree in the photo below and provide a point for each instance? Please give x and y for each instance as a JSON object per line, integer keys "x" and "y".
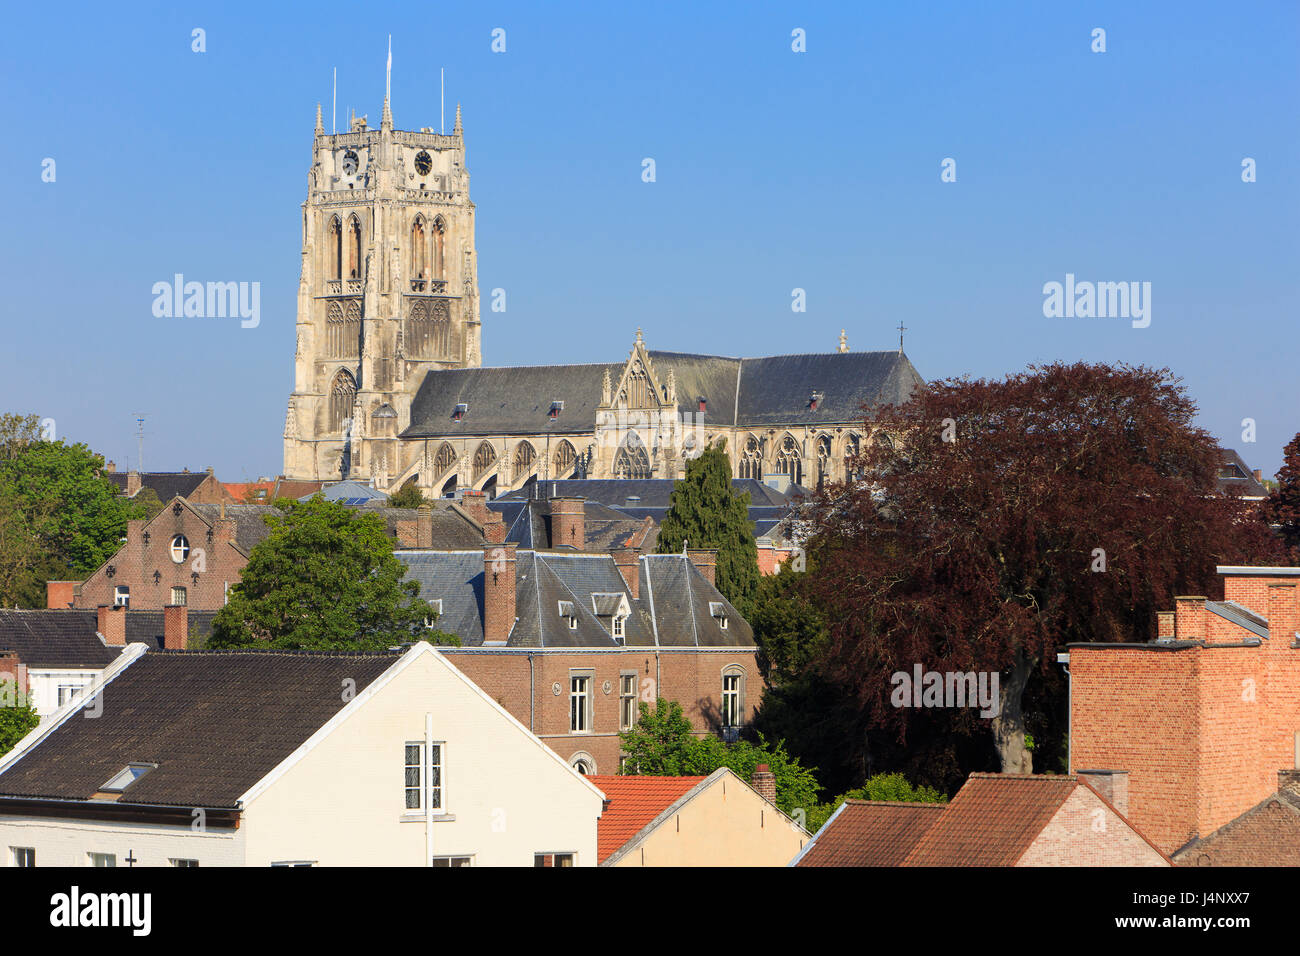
{"x": 1004, "y": 519}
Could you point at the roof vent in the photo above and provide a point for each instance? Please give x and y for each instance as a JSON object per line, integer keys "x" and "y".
{"x": 633, "y": 501}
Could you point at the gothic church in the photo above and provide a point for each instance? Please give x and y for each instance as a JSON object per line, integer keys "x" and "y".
{"x": 388, "y": 378}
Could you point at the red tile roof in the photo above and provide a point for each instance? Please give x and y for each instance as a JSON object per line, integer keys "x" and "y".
{"x": 1268, "y": 834}
{"x": 872, "y": 833}
{"x": 634, "y": 802}
{"x": 992, "y": 820}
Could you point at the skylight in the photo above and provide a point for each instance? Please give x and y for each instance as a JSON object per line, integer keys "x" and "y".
{"x": 127, "y": 776}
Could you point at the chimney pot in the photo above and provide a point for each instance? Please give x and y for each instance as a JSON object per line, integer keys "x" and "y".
{"x": 112, "y": 625}
{"x": 176, "y": 627}
{"x": 498, "y": 591}
{"x": 568, "y": 523}
{"x": 627, "y": 561}
{"x": 424, "y": 527}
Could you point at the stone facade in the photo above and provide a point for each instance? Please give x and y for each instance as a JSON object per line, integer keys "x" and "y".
{"x": 388, "y": 292}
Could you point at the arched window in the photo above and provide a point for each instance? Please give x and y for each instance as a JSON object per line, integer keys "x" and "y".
{"x": 354, "y": 248}
{"x": 484, "y": 458}
{"x": 352, "y": 329}
{"x": 631, "y": 461}
{"x": 334, "y": 249}
{"x": 852, "y": 448}
{"x": 525, "y": 459}
{"x": 733, "y": 696}
{"x": 565, "y": 457}
{"x": 751, "y": 460}
{"x": 342, "y": 397}
{"x": 637, "y": 393}
{"x": 445, "y": 459}
{"x": 334, "y": 331}
{"x": 823, "y": 458}
{"x": 788, "y": 461}
{"x": 419, "y": 262}
{"x": 439, "y": 248}
{"x": 428, "y": 329}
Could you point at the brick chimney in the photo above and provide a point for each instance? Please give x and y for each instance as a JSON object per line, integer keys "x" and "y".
{"x": 764, "y": 783}
{"x": 498, "y": 591}
{"x": 629, "y": 565}
{"x": 1164, "y": 625}
{"x": 474, "y": 503}
{"x": 60, "y": 594}
{"x": 569, "y": 523}
{"x": 705, "y": 561}
{"x": 112, "y": 625}
{"x": 132, "y": 482}
{"x": 176, "y": 627}
{"x": 424, "y": 527}
{"x": 1283, "y": 621}
{"x": 1189, "y": 618}
{"x": 223, "y": 529}
{"x": 110, "y": 468}
{"x": 1112, "y": 785}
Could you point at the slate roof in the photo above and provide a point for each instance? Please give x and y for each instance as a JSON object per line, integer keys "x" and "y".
{"x": 738, "y": 392}
{"x": 528, "y": 524}
{"x": 215, "y": 723}
{"x": 166, "y": 484}
{"x": 651, "y": 492}
{"x": 1236, "y": 478}
{"x": 250, "y": 526}
{"x": 453, "y": 529}
{"x": 1268, "y": 834}
{"x": 634, "y": 803}
{"x": 673, "y": 610}
{"x": 349, "y": 492}
{"x": 871, "y": 833}
{"x": 55, "y": 639}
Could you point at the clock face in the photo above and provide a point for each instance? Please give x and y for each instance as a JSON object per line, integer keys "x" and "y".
{"x": 423, "y": 163}
{"x": 350, "y": 162}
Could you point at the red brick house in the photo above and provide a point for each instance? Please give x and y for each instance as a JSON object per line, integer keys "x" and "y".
{"x": 1204, "y": 716}
{"x": 1265, "y": 835}
{"x": 994, "y": 820}
{"x": 198, "y": 487}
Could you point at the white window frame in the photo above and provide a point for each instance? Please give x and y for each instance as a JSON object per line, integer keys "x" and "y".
{"x": 554, "y": 856}
{"x": 180, "y": 545}
{"x": 733, "y": 699}
{"x": 580, "y": 701}
{"x": 426, "y": 789}
{"x": 184, "y": 596}
{"x": 103, "y": 860}
{"x": 18, "y": 856}
{"x": 628, "y": 711}
{"x": 67, "y": 692}
{"x": 618, "y": 625}
{"x": 451, "y": 862}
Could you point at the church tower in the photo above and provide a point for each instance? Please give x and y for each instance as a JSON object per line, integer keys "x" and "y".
{"x": 388, "y": 292}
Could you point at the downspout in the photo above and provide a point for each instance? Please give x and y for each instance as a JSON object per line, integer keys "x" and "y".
{"x": 532, "y": 692}
{"x": 1064, "y": 660}
{"x": 428, "y": 803}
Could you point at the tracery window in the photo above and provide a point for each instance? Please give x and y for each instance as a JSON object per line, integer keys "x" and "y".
{"x": 788, "y": 461}
{"x": 632, "y": 461}
{"x": 565, "y": 456}
{"x": 354, "y": 248}
{"x": 335, "y": 249}
{"x": 751, "y": 460}
{"x": 445, "y": 459}
{"x": 484, "y": 458}
{"x": 342, "y": 397}
{"x": 525, "y": 457}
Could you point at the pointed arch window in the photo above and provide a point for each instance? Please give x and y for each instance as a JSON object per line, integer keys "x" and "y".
{"x": 428, "y": 329}
{"x": 439, "y": 248}
{"x": 334, "y": 330}
{"x": 342, "y": 397}
{"x": 751, "y": 459}
{"x": 352, "y": 329}
{"x": 823, "y": 457}
{"x": 631, "y": 461}
{"x": 637, "y": 392}
{"x": 354, "y": 248}
{"x": 419, "y": 255}
{"x": 852, "y": 448}
{"x": 334, "y": 249}
{"x": 484, "y": 457}
{"x": 445, "y": 459}
{"x": 788, "y": 460}
{"x": 525, "y": 459}
{"x": 565, "y": 457}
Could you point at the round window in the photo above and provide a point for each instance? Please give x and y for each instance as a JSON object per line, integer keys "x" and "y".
{"x": 180, "y": 549}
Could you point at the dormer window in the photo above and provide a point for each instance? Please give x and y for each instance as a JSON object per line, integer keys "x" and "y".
{"x": 556, "y": 408}
{"x": 126, "y": 776}
{"x": 618, "y": 632}
{"x": 718, "y": 611}
{"x": 459, "y": 413}
{"x": 568, "y": 612}
{"x": 703, "y": 403}
{"x": 814, "y": 400}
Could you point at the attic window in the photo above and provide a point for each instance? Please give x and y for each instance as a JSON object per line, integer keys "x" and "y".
{"x": 460, "y": 411}
{"x": 703, "y": 403}
{"x": 814, "y": 400}
{"x": 127, "y": 776}
{"x": 556, "y": 408}
{"x": 567, "y": 611}
{"x": 718, "y": 611}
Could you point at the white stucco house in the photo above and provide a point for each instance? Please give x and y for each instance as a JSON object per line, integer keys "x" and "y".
{"x": 274, "y": 758}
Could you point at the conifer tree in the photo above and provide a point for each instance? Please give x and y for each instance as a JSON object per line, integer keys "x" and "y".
{"x": 704, "y": 513}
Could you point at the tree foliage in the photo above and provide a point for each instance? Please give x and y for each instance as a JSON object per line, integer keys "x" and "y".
{"x": 325, "y": 579}
{"x": 704, "y": 513}
{"x": 1283, "y": 505}
{"x": 663, "y": 744}
{"x": 886, "y": 787}
{"x": 18, "y": 718}
{"x": 408, "y": 496}
{"x": 1066, "y": 503}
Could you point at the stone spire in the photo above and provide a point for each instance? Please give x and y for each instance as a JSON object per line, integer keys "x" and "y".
{"x": 386, "y": 121}
{"x": 458, "y": 130}
{"x": 320, "y": 127}
{"x": 844, "y": 342}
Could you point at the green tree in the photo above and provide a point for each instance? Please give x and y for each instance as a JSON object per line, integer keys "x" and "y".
{"x": 789, "y": 629}
{"x": 704, "y": 513}
{"x": 17, "y": 717}
{"x": 408, "y": 496}
{"x": 890, "y": 787}
{"x": 148, "y": 504}
{"x": 325, "y": 579}
{"x": 663, "y": 743}
{"x": 1282, "y": 508}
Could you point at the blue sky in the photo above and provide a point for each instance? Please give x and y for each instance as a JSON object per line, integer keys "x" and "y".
{"x": 775, "y": 170}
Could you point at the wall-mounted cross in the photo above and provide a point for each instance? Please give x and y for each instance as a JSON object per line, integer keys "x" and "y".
{"x": 901, "y": 329}
{"x": 130, "y": 858}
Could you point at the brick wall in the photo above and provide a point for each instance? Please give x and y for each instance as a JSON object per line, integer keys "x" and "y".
{"x": 1086, "y": 832}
